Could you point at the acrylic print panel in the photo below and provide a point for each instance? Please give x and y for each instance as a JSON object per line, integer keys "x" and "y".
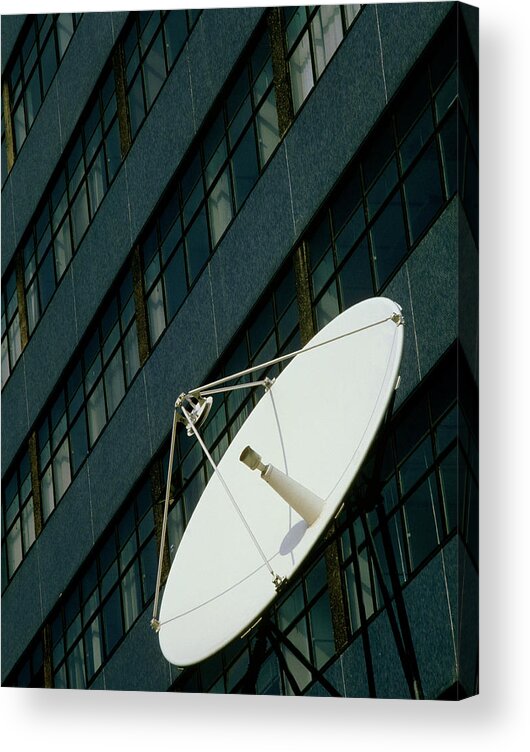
{"x": 248, "y": 539}
{"x": 226, "y": 184}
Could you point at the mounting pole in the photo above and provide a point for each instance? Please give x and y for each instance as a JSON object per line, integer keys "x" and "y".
{"x": 155, "y": 624}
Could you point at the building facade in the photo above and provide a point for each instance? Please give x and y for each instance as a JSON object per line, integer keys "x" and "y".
{"x": 185, "y": 194}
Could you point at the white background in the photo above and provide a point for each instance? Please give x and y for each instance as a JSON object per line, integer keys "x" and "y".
{"x": 499, "y": 717}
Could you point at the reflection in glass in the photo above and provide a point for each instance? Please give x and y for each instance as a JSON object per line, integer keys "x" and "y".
{"x": 322, "y": 638}
{"x": 93, "y": 647}
{"x": 76, "y": 667}
{"x": 28, "y": 524}
{"x": 422, "y": 530}
{"x": 327, "y": 35}
{"x": 47, "y": 498}
{"x": 423, "y": 192}
{"x": 301, "y": 72}
{"x": 220, "y": 206}
{"x": 154, "y": 70}
{"x": 414, "y": 467}
{"x": 80, "y": 216}
{"x": 268, "y": 133}
{"x": 327, "y": 307}
{"x": 61, "y": 469}
{"x": 245, "y": 167}
{"x": 301, "y": 674}
{"x": 389, "y": 244}
{"x": 96, "y": 412}
{"x": 132, "y": 597}
{"x": 197, "y": 245}
{"x": 62, "y": 248}
{"x": 14, "y": 547}
{"x": 155, "y": 312}
{"x": 356, "y": 277}
{"x": 114, "y": 382}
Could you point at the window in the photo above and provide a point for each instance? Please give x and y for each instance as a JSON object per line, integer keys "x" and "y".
{"x": 4, "y": 148}
{"x": 92, "y": 159}
{"x": 394, "y": 189}
{"x": 152, "y": 46}
{"x": 44, "y": 43}
{"x": 313, "y": 34}
{"x": 304, "y": 617}
{"x": 210, "y": 188}
{"x": 18, "y": 519}
{"x": 106, "y": 599}
{"x": 93, "y": 388}
{"x": 430, "y": 466}
{"x": 430, "y": 486}
{"x": 91, "y": 163}
{"x": 11, "y": 341}
{"x": 29, "y": 672}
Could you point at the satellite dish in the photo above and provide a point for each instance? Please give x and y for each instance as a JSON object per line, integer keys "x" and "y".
{"x": 281, "y": 481}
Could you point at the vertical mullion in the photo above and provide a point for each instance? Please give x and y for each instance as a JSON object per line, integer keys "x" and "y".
{"x": 343, "y": 21}
{"x": 35, "y": 483}
{"x": 47, "y": 649}
{"x": 303, "y": 292}
{"x": 333, "y": 573}
{"x": 157, "y": 499}
{"x": 311, "y": 47}
{"x": 307, "y": 330}
{"x": 120, "y": 80}
{"x": 140, "y": 306}
{"x": 280, "y": 69}
{"x": 335, "y": 591}
{"x": 8, "y": 125}
{"x": 362, "y": 614}
{"x": 21, "y": 300}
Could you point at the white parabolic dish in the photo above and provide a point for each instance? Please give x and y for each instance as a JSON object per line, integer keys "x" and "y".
{"x": 315, "y": 424}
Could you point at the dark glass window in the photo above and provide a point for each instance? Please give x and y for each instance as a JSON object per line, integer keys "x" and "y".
{"x": 4, "y": 148}
{"x": 45, "y": 40}
{"x": 395, "y": 187}
{"x": 18, "y": 518}
{"x": 355, "y": 277}
{"x": 107, "y": 596}
{"x": 389, "y": 245}
{"x": 448, "y": 142}
{"x": 429, "y": 491}
{"x": 94, "y": 156}
{"x": 423, "y": 192}
{"x": 11, "y": 341}
{"x": 75, "y": 196}
{"x": 90, "y": 393}
{"x": 313, "y": 34}
{"x": 152, "y": 44}
{"x": 29, "y": 672}
{"x": 207, "y": 192}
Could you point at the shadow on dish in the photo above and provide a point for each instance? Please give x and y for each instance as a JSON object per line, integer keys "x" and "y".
{"x": 293, "y": 537}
